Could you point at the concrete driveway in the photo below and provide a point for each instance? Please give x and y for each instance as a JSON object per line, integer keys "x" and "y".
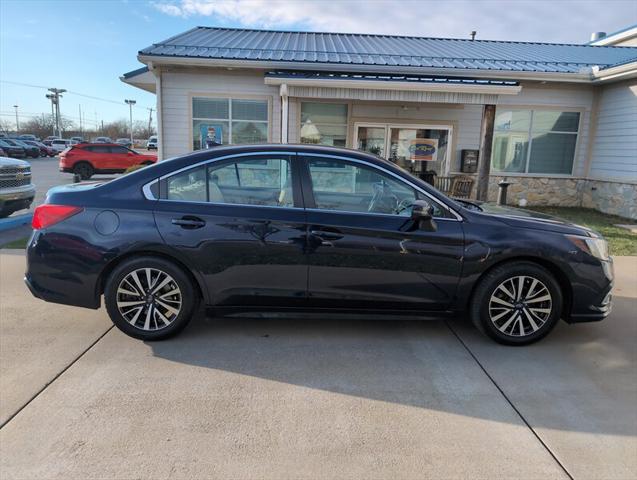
{"x": 282, "y": 398}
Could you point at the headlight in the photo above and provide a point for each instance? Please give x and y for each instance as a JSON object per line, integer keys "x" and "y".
{"x": 597, "y": 247}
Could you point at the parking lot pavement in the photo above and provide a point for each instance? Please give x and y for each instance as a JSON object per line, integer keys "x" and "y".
{"x": 275, "y": 398}
{"x": 37, "y": 340}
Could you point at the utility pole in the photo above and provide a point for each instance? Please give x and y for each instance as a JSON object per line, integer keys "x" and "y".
{"x": 17, "y": 122}
{"x": 150, "y": 120}
{"x": 57, "y": 93}
{"x": 130, "y": 104}
{"x": 51, "y": 97}
{"x": 80, "y": 108}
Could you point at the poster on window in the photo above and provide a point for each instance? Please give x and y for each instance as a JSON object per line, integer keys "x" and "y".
{"x": 424, "y": 150}
{"x": 210, "y": 135}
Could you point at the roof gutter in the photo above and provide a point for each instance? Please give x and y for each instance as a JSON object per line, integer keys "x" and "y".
{"x": 615, "y": 74}
{"x": 583, "y": 76}
{"x": 394, "y": 85}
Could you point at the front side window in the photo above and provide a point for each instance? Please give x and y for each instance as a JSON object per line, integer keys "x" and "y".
{"x": 534, "y": 141}
{"x": 258, "y": 181}
{"x": 324, "y": 124}
{"x": 339, "y": 185}
{"x": 218, "y": 121}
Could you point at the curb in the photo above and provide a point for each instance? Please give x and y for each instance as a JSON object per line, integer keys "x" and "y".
{"x": 14, "y": 222}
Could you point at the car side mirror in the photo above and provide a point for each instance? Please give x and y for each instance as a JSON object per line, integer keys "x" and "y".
{"x": 422, "y": 213}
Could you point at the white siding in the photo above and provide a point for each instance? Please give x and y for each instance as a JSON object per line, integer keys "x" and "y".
{"x": 614, "y": 152}
{"x": 179, "y": 85}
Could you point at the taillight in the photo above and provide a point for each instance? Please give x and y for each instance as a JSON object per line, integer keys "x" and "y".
{"x": 47, "y": 215}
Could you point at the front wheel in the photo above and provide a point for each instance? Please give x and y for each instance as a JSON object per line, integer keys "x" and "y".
{"x": 517, "y": 303}
{"x": 150, "y": 298}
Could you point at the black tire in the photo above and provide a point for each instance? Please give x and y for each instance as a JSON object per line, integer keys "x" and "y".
{"x": 181, "y": 280}
{"x": 484, "y": 306}
{"x": 84, "y": 169}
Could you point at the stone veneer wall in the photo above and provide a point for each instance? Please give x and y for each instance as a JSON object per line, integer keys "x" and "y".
{"x": 609, "y": 197}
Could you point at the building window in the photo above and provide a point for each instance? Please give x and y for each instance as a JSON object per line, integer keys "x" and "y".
{"x": 534, "y": 141}
{"x": 324, "y": 124}
{"x": 217, "y": 121}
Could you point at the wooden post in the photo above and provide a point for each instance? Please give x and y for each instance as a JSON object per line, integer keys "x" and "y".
{"x": 484, "y": 161}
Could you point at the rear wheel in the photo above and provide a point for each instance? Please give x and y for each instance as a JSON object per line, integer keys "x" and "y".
{"x": 84, "y": 170}
{"x": 150, "y": 298}
{"x": 517, "y": 303}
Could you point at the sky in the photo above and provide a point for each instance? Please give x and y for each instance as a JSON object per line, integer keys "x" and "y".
{"x": 84, "y": 46}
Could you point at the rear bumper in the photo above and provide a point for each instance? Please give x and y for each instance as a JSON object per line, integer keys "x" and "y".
{"x": 17, "y": 198}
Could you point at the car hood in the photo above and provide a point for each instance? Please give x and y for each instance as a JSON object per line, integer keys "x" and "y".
{"x": 523, "y": 218}
{"x": 12, "y": 162}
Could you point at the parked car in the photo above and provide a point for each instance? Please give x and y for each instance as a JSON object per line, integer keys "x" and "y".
{"x": 48, "y": 140}
{"x": 28, "y": 136}
{"x": 60, "y": 144}
{"x": 12, "y": 150}
{"x": 284, "y": 227}
{"x": 29, "y": 150}
{"x": 16, "y": 190}
{"x": 77, "y": 139}
{"x": 125, "y": 142}
{"x": 87, "y": 159}
{"x": 103, "y": 140}
{"x": 45, "y": 151}
{"x": 151, "y": 144}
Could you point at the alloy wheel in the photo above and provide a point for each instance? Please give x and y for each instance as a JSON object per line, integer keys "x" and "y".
{"x": 149, "y": 299}
{"x": 520, "y": 306}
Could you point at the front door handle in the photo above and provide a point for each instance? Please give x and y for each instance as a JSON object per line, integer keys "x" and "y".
{"x": 326, "y": 234}
{"x": 189, "y": 223}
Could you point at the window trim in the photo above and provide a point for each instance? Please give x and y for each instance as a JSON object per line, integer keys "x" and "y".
{"x": 219, "y": 95}
{"x": 299, "y": 181}
{"x": 529, "y": 132}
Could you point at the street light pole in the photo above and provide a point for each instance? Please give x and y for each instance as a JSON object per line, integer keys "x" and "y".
{"x": 51, "y": 97}
{"x": 17, "y": 122}
{"x": 130, "y": 104}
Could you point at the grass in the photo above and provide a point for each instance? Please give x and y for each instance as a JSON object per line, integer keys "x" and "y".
{"x": 21, "y": 243}
{"x": 620, "y": 240}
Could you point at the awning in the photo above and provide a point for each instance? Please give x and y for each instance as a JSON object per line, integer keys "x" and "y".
{"x": 140, "y": 78}
{"x": 406, "y": 88}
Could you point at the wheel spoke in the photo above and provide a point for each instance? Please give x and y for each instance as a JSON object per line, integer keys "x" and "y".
{"x": 129, "y": 304}
{"x": 163, "y": 283}
{"x": 507, "y": 292}
{"x": 500, "y": 315}
{"x": 520, "y": 287}
{"x": 137, "y": 282}
{"x": 128, "y": 292}
{"x": 539, "y": 299}
{"x": 502, "y": 302}
{"x": 529, "y": 317}
{"x": 133, "y": 320}
{"x": 170, "y": 308}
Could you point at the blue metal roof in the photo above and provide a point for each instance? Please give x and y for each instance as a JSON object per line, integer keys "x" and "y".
{"x": 303, "y": 48}
{"x": 136, "y": 72}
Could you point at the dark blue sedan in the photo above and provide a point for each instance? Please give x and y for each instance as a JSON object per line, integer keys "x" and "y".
{"x": 283, "y": 228}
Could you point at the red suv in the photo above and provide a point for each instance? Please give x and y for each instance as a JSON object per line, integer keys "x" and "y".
{"x": 86, "y": 159}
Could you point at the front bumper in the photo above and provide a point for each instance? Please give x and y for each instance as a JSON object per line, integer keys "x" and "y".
{"x": 592, "y": 297}
{"x": 17, "y": 196}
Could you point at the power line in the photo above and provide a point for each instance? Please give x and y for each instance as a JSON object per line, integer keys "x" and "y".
{"x": 71, "y": 92}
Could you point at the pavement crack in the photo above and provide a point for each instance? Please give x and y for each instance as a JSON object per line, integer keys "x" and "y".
{"x": 59, "y": 374}
{"x": 515, "y": 409}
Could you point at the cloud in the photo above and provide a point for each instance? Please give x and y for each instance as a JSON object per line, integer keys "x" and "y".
{"x": 526, "y": 20}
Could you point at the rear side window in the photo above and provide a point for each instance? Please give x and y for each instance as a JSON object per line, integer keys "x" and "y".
{"x": 258, "y": 182}
{"x": 119, "y": 149}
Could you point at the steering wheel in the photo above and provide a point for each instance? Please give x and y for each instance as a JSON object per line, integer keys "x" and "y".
{"x": 404, "y": 204}
{"x": 376, "y": 197}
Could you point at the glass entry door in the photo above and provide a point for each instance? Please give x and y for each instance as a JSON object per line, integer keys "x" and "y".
{"x": 420, "y": 149}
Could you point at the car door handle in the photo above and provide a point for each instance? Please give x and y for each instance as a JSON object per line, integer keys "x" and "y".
{"x": 189, "y": 222}
{"x": 326, "y": 235}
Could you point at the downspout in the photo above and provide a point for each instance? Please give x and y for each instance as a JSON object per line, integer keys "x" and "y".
{"x": 283, "y": 91}
{"x": 160, "y": 118}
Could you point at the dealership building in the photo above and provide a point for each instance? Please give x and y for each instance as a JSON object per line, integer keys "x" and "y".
{"x": 558, "y": 122}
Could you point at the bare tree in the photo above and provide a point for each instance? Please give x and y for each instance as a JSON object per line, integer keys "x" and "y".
{"x": 44, "y": 125}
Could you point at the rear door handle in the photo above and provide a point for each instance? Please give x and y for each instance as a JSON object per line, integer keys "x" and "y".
{"x": 189, "y": 222}
{"x": 326, "y": 235}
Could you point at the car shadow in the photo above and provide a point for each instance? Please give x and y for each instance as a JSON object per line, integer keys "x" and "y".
{"x": 424, "y": 364}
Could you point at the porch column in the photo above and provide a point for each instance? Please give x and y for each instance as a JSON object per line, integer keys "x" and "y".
{"x": 283, "y": 90}
{"x": 484, "y": 161}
